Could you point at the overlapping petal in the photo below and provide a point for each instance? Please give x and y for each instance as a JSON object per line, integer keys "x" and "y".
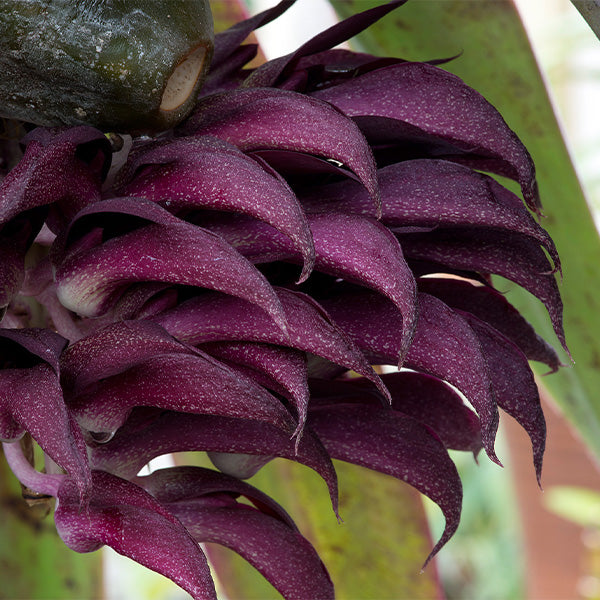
{"x": 31, "y": 398}
{"x": 191, "y": 335}
{"x": 215, "y": 317}
{"x": 418, "y": 104}
{"x": 263, "y": 533}
{"x": 129, "y": 520}
{"x": 436, "y": 193}
{"x": 510, "y": 255}
{"x": 264, "y": 118}
{"x": 492, "y": 307}
{"x": 444, "y": 346}
{"x": 273, "y": 72}
{"x": 514, "y": 386}
{"x": 144, "y": 437}
{"x": 393, "y": 443}
{"x": 188, "y": 381}
{"x": 181, "y": 175}
{"x": 280, "y": 369}
{"x": 97, "y": 268}
{"x": 353, "y": 247}
{"x": 427, "y": 399}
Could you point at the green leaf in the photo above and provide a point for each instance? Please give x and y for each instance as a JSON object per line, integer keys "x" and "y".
{"x": 497, "y": 60}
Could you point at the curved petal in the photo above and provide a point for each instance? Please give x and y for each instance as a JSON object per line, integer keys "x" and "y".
{"x": 267, "y": 118}
{"x": 194, "y": 383}
{"x": 216, "y": 317}
{"x": 90, "y": 280}
{"x": 513, "y": 256}
{"x": 126, "y": 518}
{"x": 75, "y": 160}
{"x": 440, "y": 105}
{"x": 284, "y": 557}
{"x": 130, "y": 450}
{"x": 444, "y": 346}
{"x": 395, "y": 444}
{"x": 265, "y": 536}
{"x": 275, "y": 367}
{"x": 180, "y": 174}
{"x": 492, "y": 307}
{"x": 31, "y": 397}
{"x": 514, "y": 385}
{"x": 353, "y": 247}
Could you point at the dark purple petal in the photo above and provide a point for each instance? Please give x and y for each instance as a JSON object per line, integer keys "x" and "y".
{"x": 264, "y": 534}
{"x": 492, "y": 307}
{"x": 180, "y": 174}
{"x": 274, "y": 367}
{"x": 440, "y": 105}
{"x": 395, "y": 444}
{"x": 301, "y": 169}
{"x": 514, "y": 386}
{"x": 270, "y": 74}
{"x": 189, "y": 483}
{"x": 31, "y": 399}
{"x": 126, "y": 518}
{"x": 139, "y": 441}
{"x": 352, "y": 247}
{"x": 229, "y": 40}
{"x": 13, "y": 247}
{"x": 513, "y": 256}
{"x": 262, "y": 119}
{"x": 90, "y": 280}
{"x": 113, "y": 350}
{"x": 59, "y": 165}
{"x": 363, "y": 251}
{"x": 436, "y": 193}
{"x": 215, "y": 317}
{"x": 444, "y": 346}
{"x": 282, "y": 555}
{"x": 427, "y": 399}
{"x": 194, "y": 383}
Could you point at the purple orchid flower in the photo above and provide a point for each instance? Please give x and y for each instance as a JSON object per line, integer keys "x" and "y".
{"x": 232, "y": 286}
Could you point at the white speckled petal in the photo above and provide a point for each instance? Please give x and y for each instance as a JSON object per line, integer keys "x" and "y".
{"x": 198, "y": 172}
{"x": 438, "y": 105}
{"x": 395, "y": 444}
{"x": 216, "y": 317}
{"x": 267, "y": 118}
{"x": 129, "y": 520}
{"x": 91, "y": 279}
{"x": 263, "y": 534}
{"x": 129, "y": 450}
{"x": 444, "y": 346}
{"x": 31, "y": 398}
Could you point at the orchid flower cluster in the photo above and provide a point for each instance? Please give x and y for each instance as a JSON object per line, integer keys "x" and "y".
{"x": 228, "y": 287}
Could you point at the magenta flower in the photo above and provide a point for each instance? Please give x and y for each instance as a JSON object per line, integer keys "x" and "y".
{"x": 234, "y": 286}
